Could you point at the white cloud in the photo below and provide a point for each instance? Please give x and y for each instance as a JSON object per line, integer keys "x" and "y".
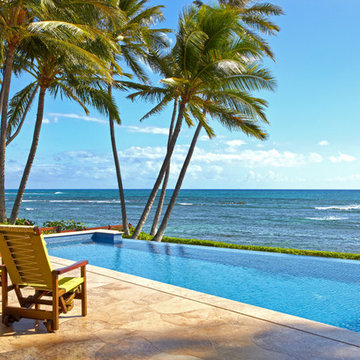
{"x": 76, "y": 116}
{"x": 323, "y": 143}
{"x": 315, "y": 158}
{"x": 247, "y": 158}
{"x": 204, "y": 138}
{"x": 148, "y": 130}
{"x": 46, "y": 121}
{"x": 342, "y": 158}
{"x": 235, "y": 143}
{"x": 82, "y": 156}
{"x": 194, "y": 171}
{"x": 269, "y": 175}
{"x": 141, "y": 153}
{"x": 354, "y": 177}
{"x": 256, "y": 158}
{"x": 140, "y": 166}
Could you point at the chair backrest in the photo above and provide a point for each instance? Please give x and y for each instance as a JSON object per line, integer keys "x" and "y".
{"x": 24, "y": 254}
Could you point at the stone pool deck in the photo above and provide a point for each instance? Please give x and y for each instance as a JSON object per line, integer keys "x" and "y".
{"x": 134, "y": 318}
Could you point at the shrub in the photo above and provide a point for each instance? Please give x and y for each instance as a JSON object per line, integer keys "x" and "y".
{"x": 20, "y": 222}
{"x": 66, "y": 225}
{"x": 24, "y": 222}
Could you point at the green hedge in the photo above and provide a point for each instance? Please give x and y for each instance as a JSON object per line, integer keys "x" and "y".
{"x": 328, "y": 254}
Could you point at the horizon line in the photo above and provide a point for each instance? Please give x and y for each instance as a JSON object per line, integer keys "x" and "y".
{"x": 191, "y": 189}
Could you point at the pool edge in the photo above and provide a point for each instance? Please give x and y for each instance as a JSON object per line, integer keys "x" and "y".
{"x": 290, "y": 321}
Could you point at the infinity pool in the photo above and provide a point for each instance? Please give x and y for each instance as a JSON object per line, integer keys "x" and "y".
{"x": 325, "y": 290}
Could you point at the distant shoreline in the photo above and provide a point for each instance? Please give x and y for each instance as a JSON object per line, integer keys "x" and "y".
{"x": 148, "y": 189}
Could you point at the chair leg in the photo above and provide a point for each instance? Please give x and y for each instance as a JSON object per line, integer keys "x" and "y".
{"x": 37, "y": 295}
{"x": 55, "y": 303}
{"x": 19, "y": 295}
{"x": 63, "y": 305}
{"x": 83, "y": 293}
{"x": 4, "y": 292}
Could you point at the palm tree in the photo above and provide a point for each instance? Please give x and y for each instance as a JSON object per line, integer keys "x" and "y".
{"x": 58, "y": 69}
{"x": 166, "y": 177}
{"x": 134, "y": 38}
{"x": 245, "y": 121}
{"x": 165, "y": 66}
{"x": 203, "y": 58}
{"x": 51, "y": 19}
{"x": 233, "y": 95}
{"x": 19, "y": 107}
{"x": 14, "y": 18}
{"x": 254, "y": 18}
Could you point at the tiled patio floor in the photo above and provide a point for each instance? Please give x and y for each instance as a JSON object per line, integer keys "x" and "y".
{"x": 134, "y": 318}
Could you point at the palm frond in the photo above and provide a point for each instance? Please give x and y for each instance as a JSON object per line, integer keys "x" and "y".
{"x": 158, "y": 108}
{"x": 19, "y": 106}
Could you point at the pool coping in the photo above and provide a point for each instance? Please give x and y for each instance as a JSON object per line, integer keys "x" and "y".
{"x": 71, "y": 233}
{"x": 289, "y": 321}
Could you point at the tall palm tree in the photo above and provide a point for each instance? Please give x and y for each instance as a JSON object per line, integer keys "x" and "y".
{"x": 202, "y": 58}
{"x": 235, "y": 96}
{"x": 254, "y": 16}
{"x": 245, "y": 117}
{"x": 14, "y": 19}
{"x": 165, "y": 66}
{"x": 59, "y": 70}
{"x": 160, "y": 204}
{"x": 50, "y": 19}
{"x": 134, "y": 37}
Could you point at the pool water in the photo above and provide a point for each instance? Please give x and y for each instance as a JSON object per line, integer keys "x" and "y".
{"x": 320, "y": 289}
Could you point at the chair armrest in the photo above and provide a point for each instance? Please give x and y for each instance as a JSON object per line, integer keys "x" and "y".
{"x": 76, "y": 265}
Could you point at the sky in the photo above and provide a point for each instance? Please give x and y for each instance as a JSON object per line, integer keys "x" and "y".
{"x": 313, "y": 140}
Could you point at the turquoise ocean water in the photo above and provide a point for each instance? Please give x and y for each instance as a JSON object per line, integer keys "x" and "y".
{"x": 307, "y": 219}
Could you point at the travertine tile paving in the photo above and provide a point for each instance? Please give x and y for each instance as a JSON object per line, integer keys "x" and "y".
{"x": 134, "y": 318}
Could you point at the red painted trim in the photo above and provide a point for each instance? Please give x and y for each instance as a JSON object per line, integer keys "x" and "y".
{"x": 109, "y": 227}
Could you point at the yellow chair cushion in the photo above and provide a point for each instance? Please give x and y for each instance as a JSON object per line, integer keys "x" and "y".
{"x": 70, "y": 283}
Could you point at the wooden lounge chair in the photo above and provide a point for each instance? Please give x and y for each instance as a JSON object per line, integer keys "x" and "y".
{"x": 10, "y": 287}
{"x": 25, "y": 258}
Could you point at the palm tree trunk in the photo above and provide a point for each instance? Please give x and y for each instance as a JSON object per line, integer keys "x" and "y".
{"x": 118, "y": 173}
{"x": 166, "y": 178}
{"x": 5, "y": 89}
{"x": 164, "y": 166}
{"x": 30, "y": 160}
{"x": 16, "y": 133}
{"x": 159, "y": 235}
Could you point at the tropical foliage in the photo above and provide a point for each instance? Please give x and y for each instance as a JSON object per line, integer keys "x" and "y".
{"x": 214, "y": 67}
{"x": 88, "y": 50}
{"x": 65, "y": 225}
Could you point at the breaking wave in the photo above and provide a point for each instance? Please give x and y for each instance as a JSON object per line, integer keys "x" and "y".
{"x": 186, "y": 204}
{"x": 86, "y": 201}
{"x": 326, "y": 218}
{"x": 339, "y": 207}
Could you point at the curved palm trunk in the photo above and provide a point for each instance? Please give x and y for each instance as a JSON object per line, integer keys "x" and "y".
{"x": 118, "y": 173}
{"x": 5, "y": 89}
{"x": 16, "y": 133}
{"x": 159, "y": 235}
{"x": 166, "y": 179}
{"x": 164, "y": 166}
{"x": 31, "y": 156}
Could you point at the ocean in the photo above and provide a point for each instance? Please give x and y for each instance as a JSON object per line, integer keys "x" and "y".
{"x": 304, "y": 219}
